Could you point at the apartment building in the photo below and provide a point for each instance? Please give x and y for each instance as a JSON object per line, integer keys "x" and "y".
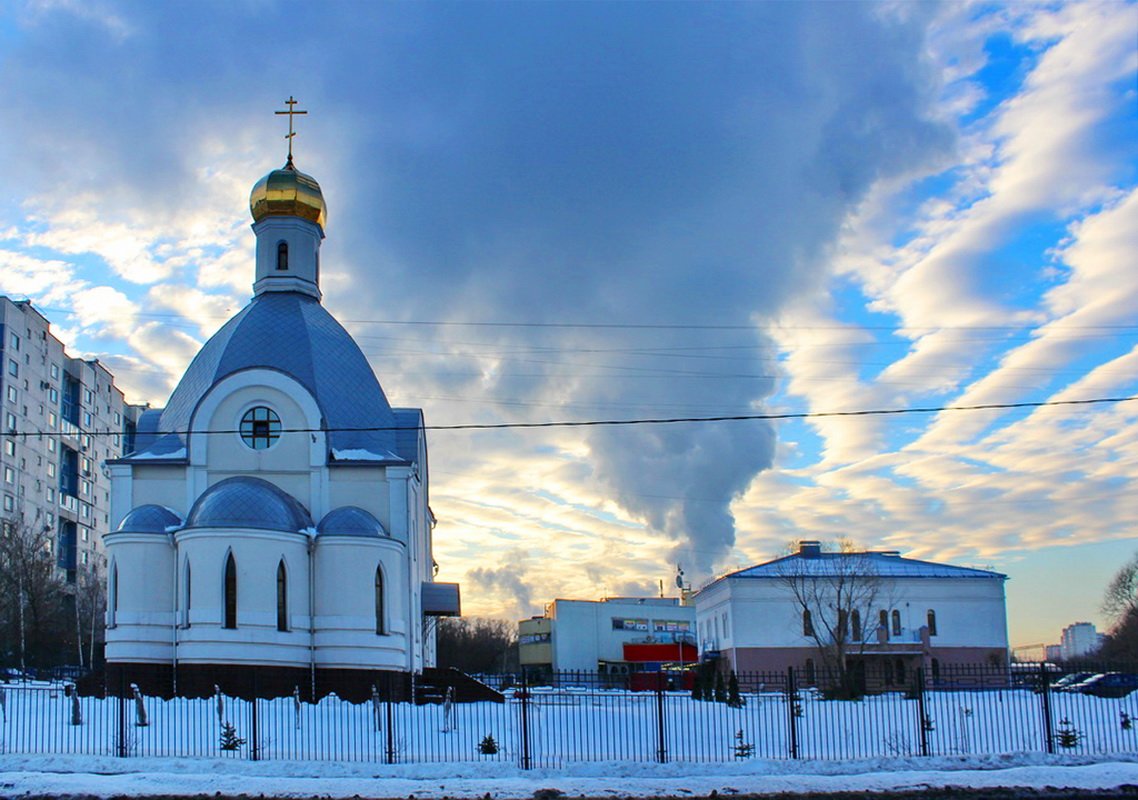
{"x": 62, "y": 418}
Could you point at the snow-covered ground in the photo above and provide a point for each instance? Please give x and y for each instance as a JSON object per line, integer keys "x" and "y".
{"x": 105, "y": 777}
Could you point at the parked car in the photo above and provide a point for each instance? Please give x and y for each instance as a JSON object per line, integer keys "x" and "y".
{"x": 1109, "y": 684}
{"x": 1067, "y": 681}
{"x": 13, "y": 675}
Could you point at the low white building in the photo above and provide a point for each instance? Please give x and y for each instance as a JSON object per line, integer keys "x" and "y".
{"x": 896, "y": 614}
{"x": 613, "y": 636}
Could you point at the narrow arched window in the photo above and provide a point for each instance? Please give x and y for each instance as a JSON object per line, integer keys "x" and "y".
{"x": 807, "y": 623}
{"x": 114, "y": 593}
{"x": 811, "y": 673}
{"x": 186, "y": 596}
{"x": 282, "y": 255}
{"x": 896, "y": 622}
{"x": 282, "y": 597}
{"x": 932, "y": 622}
{"x": 379, "y": 611}
{"x": 855, "y": 624}
{"x": 230, "y": 592}
{"x": 843, "y": 624}
{"x": 936, "y": 669}
{"x": 883, "y": 621}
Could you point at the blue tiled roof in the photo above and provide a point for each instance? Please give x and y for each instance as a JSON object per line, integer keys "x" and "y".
{"x": 291, "y": 333}
{"x": 409, "y": 421}
{"x": 350, "y": 521}
{"x": 149, "y": 519}
{"x": 248, "y": 502}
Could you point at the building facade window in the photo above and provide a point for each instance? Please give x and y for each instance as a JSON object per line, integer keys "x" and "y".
{"x": 807, "y": 623}
{"x": 186, "y": 595}
{"x": 260, "y": 428}
{"x": 896, "y": 622}
{"x": 811, "y": 672}
{"x": 282, "y": 597}
{"x": 883, "y": 621}
{"x": 230, "y": 592}
{"x": 380, "y": 626}
{"x": 855, "y": 624}
{"x": 113, "y": 593}
{"x": 282, "y": 255}
{"x": 931, "y": 622}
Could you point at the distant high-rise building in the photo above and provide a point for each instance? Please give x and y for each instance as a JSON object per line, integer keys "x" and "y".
{"x": 1077, "y": 640}
{"x": 62, "y": 418}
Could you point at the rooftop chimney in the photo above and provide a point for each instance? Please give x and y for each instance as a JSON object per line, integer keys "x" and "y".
{"x": 809, "y": 548}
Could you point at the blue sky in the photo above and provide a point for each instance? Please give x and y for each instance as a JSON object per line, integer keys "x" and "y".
{"x": 568, "y": 211}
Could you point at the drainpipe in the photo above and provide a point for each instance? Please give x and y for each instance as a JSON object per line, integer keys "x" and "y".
{"x": 312, "y": 613}
{"x": 174, "y": 626}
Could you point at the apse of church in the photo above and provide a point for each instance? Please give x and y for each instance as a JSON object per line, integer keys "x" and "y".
{"x": 275, "y": 512}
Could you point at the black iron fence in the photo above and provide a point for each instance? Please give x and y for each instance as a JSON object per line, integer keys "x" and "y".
{"x": 577, "y": 717}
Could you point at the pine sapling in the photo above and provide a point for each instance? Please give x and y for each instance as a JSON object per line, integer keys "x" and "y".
{"x": 230, "y": 741}
{"x": 488, "y": 747}
{"x": 743, "y": 748}
{"x": 1067, "y": 737}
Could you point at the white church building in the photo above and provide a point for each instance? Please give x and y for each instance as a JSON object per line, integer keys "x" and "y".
{"x": 272, "y": 522}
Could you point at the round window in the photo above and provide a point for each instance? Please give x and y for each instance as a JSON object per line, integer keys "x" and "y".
{"x": 260, "y": 428}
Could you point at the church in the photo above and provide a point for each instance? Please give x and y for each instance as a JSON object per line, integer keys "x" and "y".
{"x": 271, "y": 525}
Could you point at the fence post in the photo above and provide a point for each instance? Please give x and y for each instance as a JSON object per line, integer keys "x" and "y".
{"x": 922, "y": 711}
{"x": 661, "y": 745}
{"x": 255, "y": 751}
{"x": 1045, "y": 701}
{"x": 390, "y": 755}
{"x": 793, "y": 709}
{"x": 122, "y": 748}
{"x": 524, "y": 695}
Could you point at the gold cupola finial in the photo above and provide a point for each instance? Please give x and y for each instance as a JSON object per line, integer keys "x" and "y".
{"x": 288, "y": 192}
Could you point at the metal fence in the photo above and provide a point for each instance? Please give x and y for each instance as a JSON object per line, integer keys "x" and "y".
{"x": 584, "y": 717}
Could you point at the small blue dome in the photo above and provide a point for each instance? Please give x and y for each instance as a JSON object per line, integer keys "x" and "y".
{"x": 248, "y": 502}
{"x": 149, "y": 519}
{"x": 350, "y": 521}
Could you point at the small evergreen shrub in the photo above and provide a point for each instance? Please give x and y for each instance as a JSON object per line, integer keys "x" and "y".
{"x": 743, "y": 748}
{"x": 488, "y": 747}
{"x": 734, "y": 699}
{"x": 1067, "y": 737}
{"x": 1126, "y": 722}
{"x": 230, "y": 741}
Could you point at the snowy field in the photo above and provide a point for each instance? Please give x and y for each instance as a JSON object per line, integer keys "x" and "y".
{"x": 557, "y": 729}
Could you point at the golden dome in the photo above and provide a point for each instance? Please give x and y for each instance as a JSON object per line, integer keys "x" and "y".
{"x": 287, "y": 192}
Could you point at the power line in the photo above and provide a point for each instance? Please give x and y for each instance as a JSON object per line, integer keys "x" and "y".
{"x": 598, "y": 423}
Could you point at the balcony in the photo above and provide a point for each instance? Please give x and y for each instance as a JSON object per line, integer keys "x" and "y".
{"x": 69, "y": 503}
{"x": 69, "y": 431}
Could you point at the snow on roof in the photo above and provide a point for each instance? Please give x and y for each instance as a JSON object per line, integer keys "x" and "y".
{"x": 883, "y": 564}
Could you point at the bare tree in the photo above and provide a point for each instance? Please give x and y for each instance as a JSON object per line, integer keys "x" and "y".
{"x": 1120, "y": 604}
{"x": 1121, "y": 595}
{"x": 34, "y": 603}
{"x": 476, "y": 644}
{"x": 90, "y": 591}
{"x": 836, "y": 594}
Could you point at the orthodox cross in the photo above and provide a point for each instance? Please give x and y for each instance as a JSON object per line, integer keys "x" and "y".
{"x": 291, "y": 103}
